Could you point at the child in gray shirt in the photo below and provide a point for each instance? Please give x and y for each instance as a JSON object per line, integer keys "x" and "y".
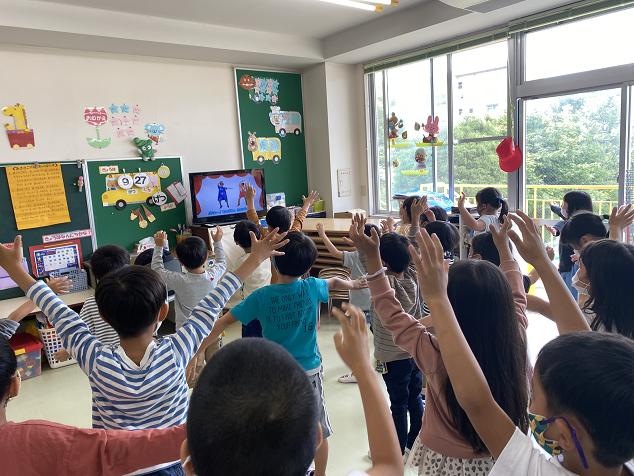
{"x": 190, "y": 287}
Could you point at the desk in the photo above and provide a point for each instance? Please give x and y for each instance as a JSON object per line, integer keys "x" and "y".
{"x": 7, "y": 306}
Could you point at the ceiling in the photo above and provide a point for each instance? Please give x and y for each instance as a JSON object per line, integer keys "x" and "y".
{"x": 289, "y": 34}
{"x": 308, "y": 18}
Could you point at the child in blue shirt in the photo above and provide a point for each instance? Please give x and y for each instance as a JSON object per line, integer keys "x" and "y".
{"x": 289, "y": 311}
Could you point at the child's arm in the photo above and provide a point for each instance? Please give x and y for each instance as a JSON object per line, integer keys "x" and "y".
{"x": 172, "y": 279}
{"x": 301, "y": 214}
{"x": 619, "y": 220}
{"x": 249, "y": 196}
{"x": 469, "y": 383}
{"x": 352, "y": 345}
{"x": 534, "y": 275}
{"x": 565, "y": 311}
{"x": 467, "y": 218}
{"x": 220, "y": 262}
{"x": 73, "y": 332}
{"x": 387, "y": 226}
{"x": 337, "y": 283}
{"x": 219, "y": 327}
{"x": 539, "y": 305}
{"x": 332, "y": 249}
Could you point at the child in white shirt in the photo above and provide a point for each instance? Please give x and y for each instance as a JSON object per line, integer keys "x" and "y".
{"x": 492, "y": 209}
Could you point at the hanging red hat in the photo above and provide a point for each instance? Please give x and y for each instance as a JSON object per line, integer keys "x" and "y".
{"x": 510, "y": 155}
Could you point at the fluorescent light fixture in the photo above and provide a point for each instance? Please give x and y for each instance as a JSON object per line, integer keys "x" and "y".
{"x": 361, "y": 6}
{"x": 393, "y": 3}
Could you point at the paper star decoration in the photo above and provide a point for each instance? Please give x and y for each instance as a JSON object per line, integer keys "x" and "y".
{"x": 120, "y": 133}
{"x": 136, "y": 109}
{"x": 274, "y": 99}
{"x": 268, "y": 97}
{"x": 114, "y": 109}
{"x": 275, "y": 84}
{"x": 130, "y": 131}
{"x": 135, "y": 121}
{"x": 125, "y": 121}
{"x": 125, "y": 108}
{"x": 115, "y": 122}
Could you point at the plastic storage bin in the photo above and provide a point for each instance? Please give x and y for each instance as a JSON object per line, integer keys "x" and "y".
{"x": 52, "y": 343}
{"x": 28, "y": 351}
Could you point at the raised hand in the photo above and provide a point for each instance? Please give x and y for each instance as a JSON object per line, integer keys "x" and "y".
{"x": 431, "y": 266}
{"x": 429, "y": 213}
{"x": 11, "y": 257}
{"x": 190, "y": 370}
{"x": 320, "y": 229}
{"x": 362, "y": 242}
{"x": 267, "y": 246}
{"x": 359, "y": 221}
{"x": 622, "y": 217}
{"x": 530, "y": 246}
{"x": 313, "y": 196}
{"x": 501, "y": 240}
{"x": 218, "y": 235}
{"x": 418, "y": 208}
{"x": 553, "y": 231}
{"x": 59, "y": 286}
{"x": 351, "y": 341}
{"x": 160, "y": 238}
{"x": 461, "y": 200}
{"x": 249, "y": 192}
{"x": 550, "y": 252}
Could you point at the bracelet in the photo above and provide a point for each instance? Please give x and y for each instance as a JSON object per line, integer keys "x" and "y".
{"x": 382, "y": 270}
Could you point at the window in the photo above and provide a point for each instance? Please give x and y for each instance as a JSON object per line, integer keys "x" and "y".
{"x": 492, "y": 107}
{"x": 460, "y": 112}
{"x": 567, "y": 48}
{"x": 471, "y": 111}
{"x": 460, "y": 85}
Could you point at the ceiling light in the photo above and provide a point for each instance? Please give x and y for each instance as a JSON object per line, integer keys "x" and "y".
{"x": 361, "y": 6}
{"x": 393, "y": 3}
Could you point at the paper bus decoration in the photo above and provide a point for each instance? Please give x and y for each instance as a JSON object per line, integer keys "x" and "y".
{"x": 285, "y": 121}
{"x": 268, "y": 148}
{"x": 139, "y": 192}
{"x": 19, "y": 133}
{"x": 96, "y": 117}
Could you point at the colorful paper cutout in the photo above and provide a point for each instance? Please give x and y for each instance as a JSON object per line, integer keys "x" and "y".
{"x": 109, "y": 169}
{"x": 97, "y": 117}
{"x": 145, "y": 148}
{"x": 267, "y": 148}
{"x": 168, "y": 206}
{"x": 125, "y": 181}
{"x": 115, "y": 122}
{"x": 135, "y": 121}
{"x": 136, "y": 109}
{"x": 142, "y": 220}
{"x": 284, "y": 121}
{"x": 155, "y": 132}
{"x": 37, "y": 195}
{"x": 252, "y": 142}
{"x": 130, "y": 131}
{"x": 246, "y": 81}
{"x": 19, "y": 134}
{"x": 114, "y": 109}
{"x": 120, "y": 133}
{"x": 134, "y": 214}
{"x": 121, "y": 197}
{"x": 163, "y": 171}
{"x": 177, "y": 192}
{"x": 125, "y": 121}
{"x": 70, "y": 235}
{"x": 148, "y": 214}
{"x": 125, "y": 108}
{"x": 392, "y": 125}
{"x": 159, "y": 198}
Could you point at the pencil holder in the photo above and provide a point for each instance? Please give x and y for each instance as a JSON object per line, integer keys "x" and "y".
{"x": 180, "y": 238}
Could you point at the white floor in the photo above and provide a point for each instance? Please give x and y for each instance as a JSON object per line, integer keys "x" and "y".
{"x": 63, "y": 395}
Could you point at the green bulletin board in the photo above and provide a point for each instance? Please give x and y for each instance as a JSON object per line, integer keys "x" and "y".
{"x": 77, "y": 209}
{"x": 255, "y": 99}
{"x": 114, "y": 226}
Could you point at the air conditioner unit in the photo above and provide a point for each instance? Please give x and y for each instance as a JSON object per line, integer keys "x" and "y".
{"x": 481, "y": 6}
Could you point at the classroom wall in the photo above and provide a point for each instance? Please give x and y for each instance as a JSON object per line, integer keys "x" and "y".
{"x": 194, "y": 100}
{"x": 335, "y": 138}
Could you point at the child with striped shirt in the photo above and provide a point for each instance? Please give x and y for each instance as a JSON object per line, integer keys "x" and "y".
{"x": 139, "y": 383}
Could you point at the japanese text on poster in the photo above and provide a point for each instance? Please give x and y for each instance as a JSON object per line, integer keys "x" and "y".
{"x": 37, "y": 195}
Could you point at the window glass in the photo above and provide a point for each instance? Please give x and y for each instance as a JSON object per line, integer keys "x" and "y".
{"x": 441, "y": 153}
{"x": 480, "y": 80}
{"x": 476, "y": 165}
{"x": 572, "y": 143}
{"x": 409, "y": 96}
{"x": 584, "y": 45}
{"x": 380, "y": 140}
{"x": 275, "y": 146}
{"x": 263, "y": 145}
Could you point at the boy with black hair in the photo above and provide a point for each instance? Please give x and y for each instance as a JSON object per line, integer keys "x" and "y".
{"x": 289, "y": 311}
{"x": 402, "y": 377}
{"x": 350, "y": 259}
{"x": 104, "y": 259}
{"x": 140, "y": 383}
{"x": 252, "y": 423}
{"x": 277, "y": 217}
{"x": 586, "y": 433}
{"x": 434, "y": 213}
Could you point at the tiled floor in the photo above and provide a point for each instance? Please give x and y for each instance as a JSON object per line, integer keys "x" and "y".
{"x": 63, "y": 395}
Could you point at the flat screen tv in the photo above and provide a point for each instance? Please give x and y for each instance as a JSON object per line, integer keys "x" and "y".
{"x": 218, "y": 197}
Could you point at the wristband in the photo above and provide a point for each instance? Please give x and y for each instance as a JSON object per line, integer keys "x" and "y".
{"x": 382, "y": 270}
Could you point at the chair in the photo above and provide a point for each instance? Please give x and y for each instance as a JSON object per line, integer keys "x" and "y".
{"x": 341, "y": 273}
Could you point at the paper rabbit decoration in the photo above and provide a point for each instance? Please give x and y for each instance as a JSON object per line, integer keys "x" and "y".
{"x": 432, "y": 127}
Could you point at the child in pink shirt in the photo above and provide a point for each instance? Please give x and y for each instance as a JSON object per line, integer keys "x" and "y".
{"x": 490, "y": 304}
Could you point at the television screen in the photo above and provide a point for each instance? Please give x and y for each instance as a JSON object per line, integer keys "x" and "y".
{"x": 218, "y": 197}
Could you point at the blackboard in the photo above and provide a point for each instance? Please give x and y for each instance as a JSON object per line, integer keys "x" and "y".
{"x": 289, "y": 174}
{"x": 77, "y": 208}
{"x": 114, "y": 226}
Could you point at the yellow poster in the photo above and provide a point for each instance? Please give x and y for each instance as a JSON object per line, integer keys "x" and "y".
{"x": 38, "y": 195}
